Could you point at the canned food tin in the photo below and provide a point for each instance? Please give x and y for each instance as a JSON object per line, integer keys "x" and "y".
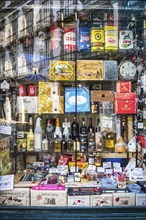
{"x": 97, "y": 39}
{"x": 21, "y": 90}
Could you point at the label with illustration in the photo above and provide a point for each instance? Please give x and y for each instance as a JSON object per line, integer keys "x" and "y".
{"x": 126, "y": 40}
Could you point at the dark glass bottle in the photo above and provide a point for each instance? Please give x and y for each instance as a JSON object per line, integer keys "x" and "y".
{"x": 83, "y": 136}
{"x": 75, "y": 129}
{"x": 83, "y": 128}
{"x": 63, "y": 144}
{"x": 90, "y": 127}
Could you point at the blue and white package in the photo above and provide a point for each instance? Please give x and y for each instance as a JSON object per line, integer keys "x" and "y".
{"x": 84, "y": 38}
{"x": 77, "y": 99}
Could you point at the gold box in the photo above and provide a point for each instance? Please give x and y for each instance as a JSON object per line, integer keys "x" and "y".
{"x": 62, "y": 70}
{"x": 90, "y": 70}
{"x": 102, "y": 96}
{"x": 49, "y": 89}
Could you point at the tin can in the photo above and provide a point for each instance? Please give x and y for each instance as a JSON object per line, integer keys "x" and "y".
{"x": 84, "y": 38}
{"x": 97, "y": 39}
{"x": 32, "y": 90}
{"x": 21, "y": 90}
{"x": 69, "y": 38}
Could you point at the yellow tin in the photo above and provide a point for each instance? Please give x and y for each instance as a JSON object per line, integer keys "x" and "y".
{"x": 62, "y": 70}
{"x": 111, "y": 38}
{"x": 97, "y": 39}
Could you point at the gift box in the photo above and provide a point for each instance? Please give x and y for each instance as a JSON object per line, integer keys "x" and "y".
{"x": 62, "y": 70}
{"x": 125, "y": 103}
{"x": 15, "y": 197}
{"x": 48, "y": 198}
{"x": 90, "y": 70}
{"x": 124, "y": 199}
{"x": 102, "y": 200}
{"x": 79, "y": 200}
{"x": 123, "y": 87}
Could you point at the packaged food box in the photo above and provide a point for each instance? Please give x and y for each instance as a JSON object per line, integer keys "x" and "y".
{"x": 79, "y": 200}
{"x": 124, "y": 199}
{"x": 123, "y": 87}
{"x": 111, "y": 38}
{"x": 15, "y": 197}
{"x": 110, "y": 70}
{"x": 48, "y": 197}
{"x": 125, "y": 103}
{"x": 102, "y": 200}
{"x": 90, "y": 70}
{"x": 125, "y": 39}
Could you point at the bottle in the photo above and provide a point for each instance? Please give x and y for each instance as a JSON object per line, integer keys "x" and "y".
{"x": 70, "y": 145}
{"x": 38, "y": 131}
{"x": 30, "y": 140}
{"x": 66, "y": 126}
{"x": 77, "y": 145}
{"x": 45, "y": 143}
{"x": 98, "y": 137}
{"x": 57, "y": 144}
{"x": 58, "y": 129}
{"x": 63, "y": 145}
{"x": 90, "y": 127}
{"x": 91, "y": 140}
{"x": 75, "y": 129}
{"x": 83, "y": 136}
{"x": 110, "y": 141}
{"x": 49, "y": 127}
{"x": 97, "y": 160}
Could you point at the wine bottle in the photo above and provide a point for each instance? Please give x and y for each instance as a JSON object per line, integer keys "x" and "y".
{"x": 91, "y": 140}
{"x": 98, "y": 137}
{"x": 83, "y": 136}
{"x": 45, "y": 143}
{"x": 38, "y": 131}
{"x": 77, "y": 145}
{"x": 75, "y": 129}
{"x": 58, "y": 129}
{"x": 57, "y": 144}
{"x": 110, "y": 141}
{"x": 66, "y": 126}
{"x": 70, "y": 145}
{"x": 49, "y": 127}
{"x": 90, "y": 127}
{"x": 30, "y": 140}
{"x": 63, "y": 145}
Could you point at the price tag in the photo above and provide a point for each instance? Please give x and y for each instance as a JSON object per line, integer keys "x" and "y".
{"x": 5, "y": 85}
{"x": 108, "y": 171}
{"x": 92, "y": 167}
{"x": 6, "y": 182}
{"x": 107, "y": 164}
{"x": 5, "y": 129}
{"x": 137, "y": 174}
{"x": 100, "y": 170}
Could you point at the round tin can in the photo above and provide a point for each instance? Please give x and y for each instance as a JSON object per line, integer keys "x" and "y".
{"x": 21, "y": 90}
{"x": 32, "y": 90}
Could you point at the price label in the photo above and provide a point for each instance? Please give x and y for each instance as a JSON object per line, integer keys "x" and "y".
{"x": 5, "y": 129}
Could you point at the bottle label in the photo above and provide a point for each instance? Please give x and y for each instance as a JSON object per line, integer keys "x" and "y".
{"x": 38, "y": 141}
{"x": 109, "y": 143}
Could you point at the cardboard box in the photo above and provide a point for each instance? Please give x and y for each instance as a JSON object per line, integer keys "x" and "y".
{"x": 102, "y": 96}
{"x": 125, "y": 103}
{"x": 62, "y": 70}
{"x": 141, "y": 199}
{"x": 102, "y": 200}
{"x": 124, "y": 199}
{"x": 90, "y": 70}
{"x": 123, "y": 87}
{"x": 15, "y": 197}
{"x": 49, "y": 89}
{"x": 79, "y": 200}
{"x": 48, "y": 197}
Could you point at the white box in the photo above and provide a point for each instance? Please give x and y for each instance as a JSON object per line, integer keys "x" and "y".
{"x": 141, "y": 199}
{"x": 15, "y": 197}
{"x": 27, "y": 104}
{"x": 79, "y": 200}
{"x": 48, "y": 197}
{"x": 124, "y": 199}
{"x": 102, "y": 200}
